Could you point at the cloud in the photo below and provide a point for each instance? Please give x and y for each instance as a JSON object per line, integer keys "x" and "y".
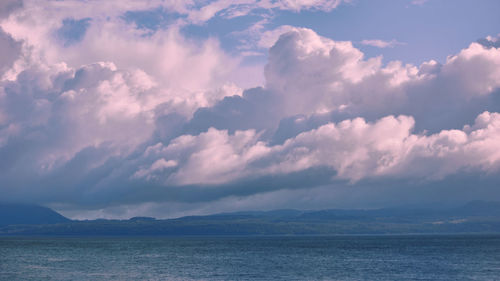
{"x": 376, "y": 159}
{"x": 10, "y": 50}
{"x": 119, "y": 121}
{"x": 297, "y": 5}
{"x": 490, "y": 41}
{"x": 315, "y": 75}
{"x": 318, "y": 81}
{"x": 381, "y": 43}
{"x": 230, "y": 9}
{"x": 187, "y": 73}
{"x": 257, "y": 36}
{"x": 8, "y": 6}
{"x": 355, "y": 149}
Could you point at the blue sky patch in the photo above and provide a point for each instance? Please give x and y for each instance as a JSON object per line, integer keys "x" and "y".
{"x": 73, "y": 31}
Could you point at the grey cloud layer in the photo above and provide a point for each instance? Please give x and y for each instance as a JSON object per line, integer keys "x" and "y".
{"x": 86, "y": 127}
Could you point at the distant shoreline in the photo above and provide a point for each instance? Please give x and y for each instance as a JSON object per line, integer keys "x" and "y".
{"x": 472, "y": 218}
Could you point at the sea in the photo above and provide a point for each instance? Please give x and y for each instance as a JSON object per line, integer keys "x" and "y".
{"x": 385, "y": 257}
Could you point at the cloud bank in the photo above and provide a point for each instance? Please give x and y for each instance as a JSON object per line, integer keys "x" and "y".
{"x": 98, "y": 118}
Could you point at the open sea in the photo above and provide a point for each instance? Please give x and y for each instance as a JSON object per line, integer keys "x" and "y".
{"x": 412, "y": 257}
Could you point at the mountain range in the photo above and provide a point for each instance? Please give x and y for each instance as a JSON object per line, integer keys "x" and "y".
{"x": 473, "y": 217}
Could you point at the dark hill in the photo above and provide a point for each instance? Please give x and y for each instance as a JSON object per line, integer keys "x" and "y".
{"x": 11, "y": 214}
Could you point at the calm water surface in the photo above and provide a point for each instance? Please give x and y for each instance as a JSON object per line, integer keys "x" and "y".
{"x": 454, "y": 257}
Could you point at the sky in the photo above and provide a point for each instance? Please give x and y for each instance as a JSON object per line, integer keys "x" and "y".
{"x": 115, "y": 109}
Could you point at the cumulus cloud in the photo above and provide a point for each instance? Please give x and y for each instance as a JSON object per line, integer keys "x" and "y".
{"x": 60, "y": 102}
{"x": 109, "y": 118}
{"x": 355, "y": 149}
{"x": 315, "y": 75}
{"x": 318, "y": 81}
{"x": 187, "y": 73}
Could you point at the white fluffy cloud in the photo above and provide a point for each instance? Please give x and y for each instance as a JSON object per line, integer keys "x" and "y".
{"x": 189, "y": 74}
{"x": 115, "y": 114}
{"x": 313, "y": 74}
{"x": 102, "y": 91}
{"x": 355, "y": 149}
{"x": 63, "y": 111}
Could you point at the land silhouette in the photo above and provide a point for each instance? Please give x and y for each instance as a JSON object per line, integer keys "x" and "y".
{"x": 473, "y": 217}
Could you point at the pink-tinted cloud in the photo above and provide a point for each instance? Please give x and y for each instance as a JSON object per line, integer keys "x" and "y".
{"x": 124, "y": 118}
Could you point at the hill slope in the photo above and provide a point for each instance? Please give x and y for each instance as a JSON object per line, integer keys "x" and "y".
{"x": 15, "y": 214}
